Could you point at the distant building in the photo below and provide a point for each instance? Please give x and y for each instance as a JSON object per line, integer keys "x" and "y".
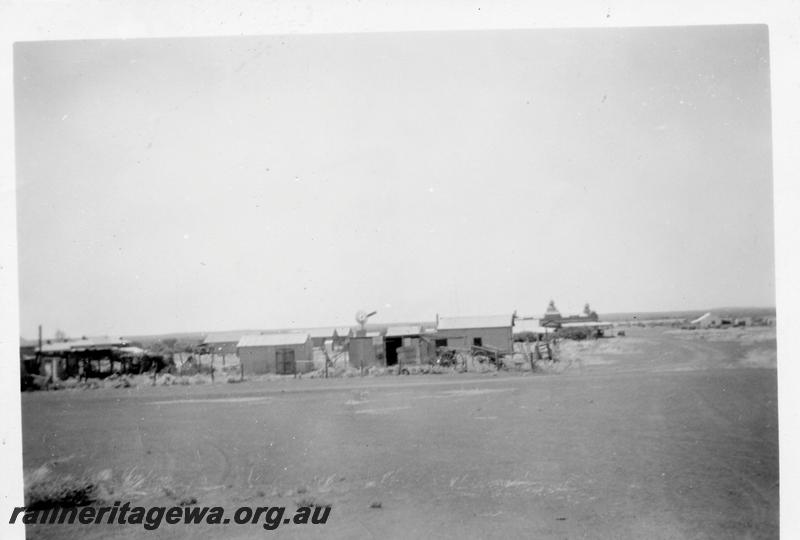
{"x": 712, "y": 320}
{"x": 551, "y": 314}
{"x": 284, "y": 354}
{"x": 64, "y": 358}
{"x": 222, "y": 342}
{"x": 553, "y": 318}
{"x": 463, "y": 332}
{"x": 529, "y": 328}
{"x": 596, "y": 326}
{"x": 401, "y": 336}
{"x": 320, "y": 335}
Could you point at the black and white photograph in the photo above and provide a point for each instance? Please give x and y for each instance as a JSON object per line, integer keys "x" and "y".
{"x": 487, "y": 283}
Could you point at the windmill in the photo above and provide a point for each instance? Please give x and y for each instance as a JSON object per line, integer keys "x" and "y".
{"x": 361, "y": 318}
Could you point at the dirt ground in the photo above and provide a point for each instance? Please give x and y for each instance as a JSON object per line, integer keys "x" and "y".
{"x": 659, "y": 434}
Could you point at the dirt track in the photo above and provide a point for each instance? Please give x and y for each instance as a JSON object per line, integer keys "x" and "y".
{"x": 650, "y": 436}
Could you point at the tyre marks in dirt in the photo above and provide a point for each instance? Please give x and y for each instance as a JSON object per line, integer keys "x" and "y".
{"x": 223, "y": 462}
{"x": 712, "y": 470}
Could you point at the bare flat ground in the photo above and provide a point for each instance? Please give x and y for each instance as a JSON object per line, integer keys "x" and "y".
{"x": 655, "y": 435}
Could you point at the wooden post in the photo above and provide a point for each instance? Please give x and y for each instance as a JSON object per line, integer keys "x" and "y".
{"x": 39, "y": 352}
{"x": 530, "y": 353}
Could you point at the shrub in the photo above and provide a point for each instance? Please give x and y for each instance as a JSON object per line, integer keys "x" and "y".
{"x": 42, "y": 490}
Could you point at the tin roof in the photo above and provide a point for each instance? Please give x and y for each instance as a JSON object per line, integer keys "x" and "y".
{"x": 404, "y": 330}
{"x": 267, "y": 340}
{"x": 61, "y": 346}
{"x": 223, "y": 337}
{"x": 103, "y": 342}
{"x": 460, "y": 323}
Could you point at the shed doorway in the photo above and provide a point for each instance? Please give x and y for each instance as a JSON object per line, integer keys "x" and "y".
{"x": 284, "y": 362}
{"x": 392, "y": 344}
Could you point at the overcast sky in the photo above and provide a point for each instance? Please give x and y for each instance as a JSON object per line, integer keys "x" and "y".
{"x": 222, "y": 183}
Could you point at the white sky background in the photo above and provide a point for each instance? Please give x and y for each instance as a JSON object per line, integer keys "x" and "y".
{"x": 215, "y": 183}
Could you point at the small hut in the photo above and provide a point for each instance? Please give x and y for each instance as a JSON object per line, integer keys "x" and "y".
{"x": 284, "y": 354}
